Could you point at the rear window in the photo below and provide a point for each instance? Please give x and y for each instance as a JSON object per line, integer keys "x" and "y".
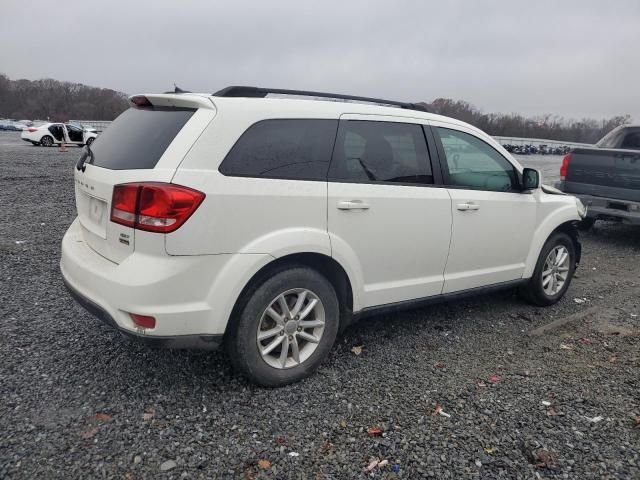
{"x": 288, "y": 149}
{"x": 138, "y": 138}
{"x": 611, "y": 139}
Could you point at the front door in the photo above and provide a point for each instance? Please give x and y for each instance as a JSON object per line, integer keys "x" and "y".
{"x": 385, "y": 216}
{"x": 493, "y": 220}
{"x": 74, "y": 134}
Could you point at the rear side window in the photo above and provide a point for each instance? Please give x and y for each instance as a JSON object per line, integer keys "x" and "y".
{"x": 288, "y": 149}
{"x": 138, "y": 138}
{"x": 386, "y": 152}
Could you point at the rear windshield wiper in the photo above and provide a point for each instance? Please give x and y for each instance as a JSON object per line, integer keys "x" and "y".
{"x": 86, "y": 153}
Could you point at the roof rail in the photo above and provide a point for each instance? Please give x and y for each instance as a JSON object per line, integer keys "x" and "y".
{"x": 257, "y": 92}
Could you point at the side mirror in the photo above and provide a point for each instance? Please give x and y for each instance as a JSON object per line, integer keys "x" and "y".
{"x": 530, "y": 179}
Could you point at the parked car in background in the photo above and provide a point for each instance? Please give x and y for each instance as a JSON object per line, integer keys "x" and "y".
{"x": 606, "y": 177}
{"x": 50, "y": 134}
{"x": 269, "y": 224}
{"x": 11, "y": 125}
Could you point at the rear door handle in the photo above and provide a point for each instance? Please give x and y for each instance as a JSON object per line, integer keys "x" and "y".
{"x": 352, "y": 205}
{"x": 468, "y": 206}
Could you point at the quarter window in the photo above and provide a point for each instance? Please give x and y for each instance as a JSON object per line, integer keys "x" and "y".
{"x": 289, "y": 149}
{"x": 473, "y": 163}
{"x": 387, "y": 152}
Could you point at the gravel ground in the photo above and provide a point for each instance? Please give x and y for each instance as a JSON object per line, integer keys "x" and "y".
{"x": 528, "y": 392}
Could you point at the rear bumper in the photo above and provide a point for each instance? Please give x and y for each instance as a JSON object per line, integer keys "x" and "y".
{"x": 604, "y": 208}
{"x": 191, "y": 297}
{"x": 197, "y": 342}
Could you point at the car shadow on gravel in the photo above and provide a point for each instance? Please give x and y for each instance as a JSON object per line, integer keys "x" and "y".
{"x": 120, "y": 360}
{"x": 614, "y": 234}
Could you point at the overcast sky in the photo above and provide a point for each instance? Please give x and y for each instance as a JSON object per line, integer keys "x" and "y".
{"x": 571, "y": 58}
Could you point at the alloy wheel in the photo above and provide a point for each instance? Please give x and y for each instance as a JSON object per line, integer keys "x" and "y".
{"x": 291, "y": 328}
{"x": 556, "y": 270}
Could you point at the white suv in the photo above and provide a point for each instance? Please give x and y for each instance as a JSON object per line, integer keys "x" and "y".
{"x": 270, "y": 224}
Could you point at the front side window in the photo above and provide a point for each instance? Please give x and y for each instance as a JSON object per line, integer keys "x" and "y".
{"x": 387, "y": 152}
{"x": 288, "y": 149}
{"x": 475, "y": 164}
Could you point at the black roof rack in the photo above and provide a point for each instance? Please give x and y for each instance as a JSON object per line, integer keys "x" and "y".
{"x": 257, "y": 92}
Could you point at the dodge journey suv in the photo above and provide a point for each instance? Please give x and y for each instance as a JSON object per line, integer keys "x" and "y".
{"x": 268, "y": 220}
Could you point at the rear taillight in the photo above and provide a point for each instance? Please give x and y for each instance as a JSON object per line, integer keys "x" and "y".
{"x": 565, "y": 166}
{"x": 153, "y": 206}
{"x": 31, "y": 129}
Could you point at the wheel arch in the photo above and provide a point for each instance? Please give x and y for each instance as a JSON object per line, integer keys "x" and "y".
{"x": 543, "y": 234}
{"x": 325, "y": 265}
{"x": 571, "y": 229}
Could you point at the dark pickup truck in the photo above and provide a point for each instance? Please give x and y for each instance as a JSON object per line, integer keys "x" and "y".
{"x": 606, "y": 178}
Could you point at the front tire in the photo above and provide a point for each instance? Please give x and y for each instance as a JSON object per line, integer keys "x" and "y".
{"x": 46, "y": 141}
{"x": 285, "y": 328}
{"x": 553, "y": 273}
{"x": 90, "y": 141}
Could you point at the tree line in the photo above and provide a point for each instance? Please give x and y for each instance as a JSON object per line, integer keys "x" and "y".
{"x": 58, "y": 101}
{"x": 549, "y": 127}
{"x": 61, "y": 101}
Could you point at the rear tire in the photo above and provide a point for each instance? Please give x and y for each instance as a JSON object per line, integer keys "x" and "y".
{"x": 294, "y": 309}
{"x": 553, "y": 273}
{"x": 46, "y": 141}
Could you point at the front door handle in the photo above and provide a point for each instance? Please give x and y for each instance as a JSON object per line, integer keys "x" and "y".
{"x": 468, "y": 206}
{"x": 352, "y": 205}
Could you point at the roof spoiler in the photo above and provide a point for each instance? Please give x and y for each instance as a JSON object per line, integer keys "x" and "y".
{"x": 257, "y": 92}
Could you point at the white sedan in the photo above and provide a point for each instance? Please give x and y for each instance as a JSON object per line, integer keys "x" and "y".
{"x": 49, "y": 134}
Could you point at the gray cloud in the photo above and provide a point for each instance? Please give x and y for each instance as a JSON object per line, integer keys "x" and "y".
{"x": 572, "y": 58}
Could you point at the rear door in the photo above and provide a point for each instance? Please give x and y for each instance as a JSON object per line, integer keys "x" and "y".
{"x": 387, "y": 218}
{"x": 57, "y": 130}
{"x": 143, "y": 144}
{"x": 493, "y": 220}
